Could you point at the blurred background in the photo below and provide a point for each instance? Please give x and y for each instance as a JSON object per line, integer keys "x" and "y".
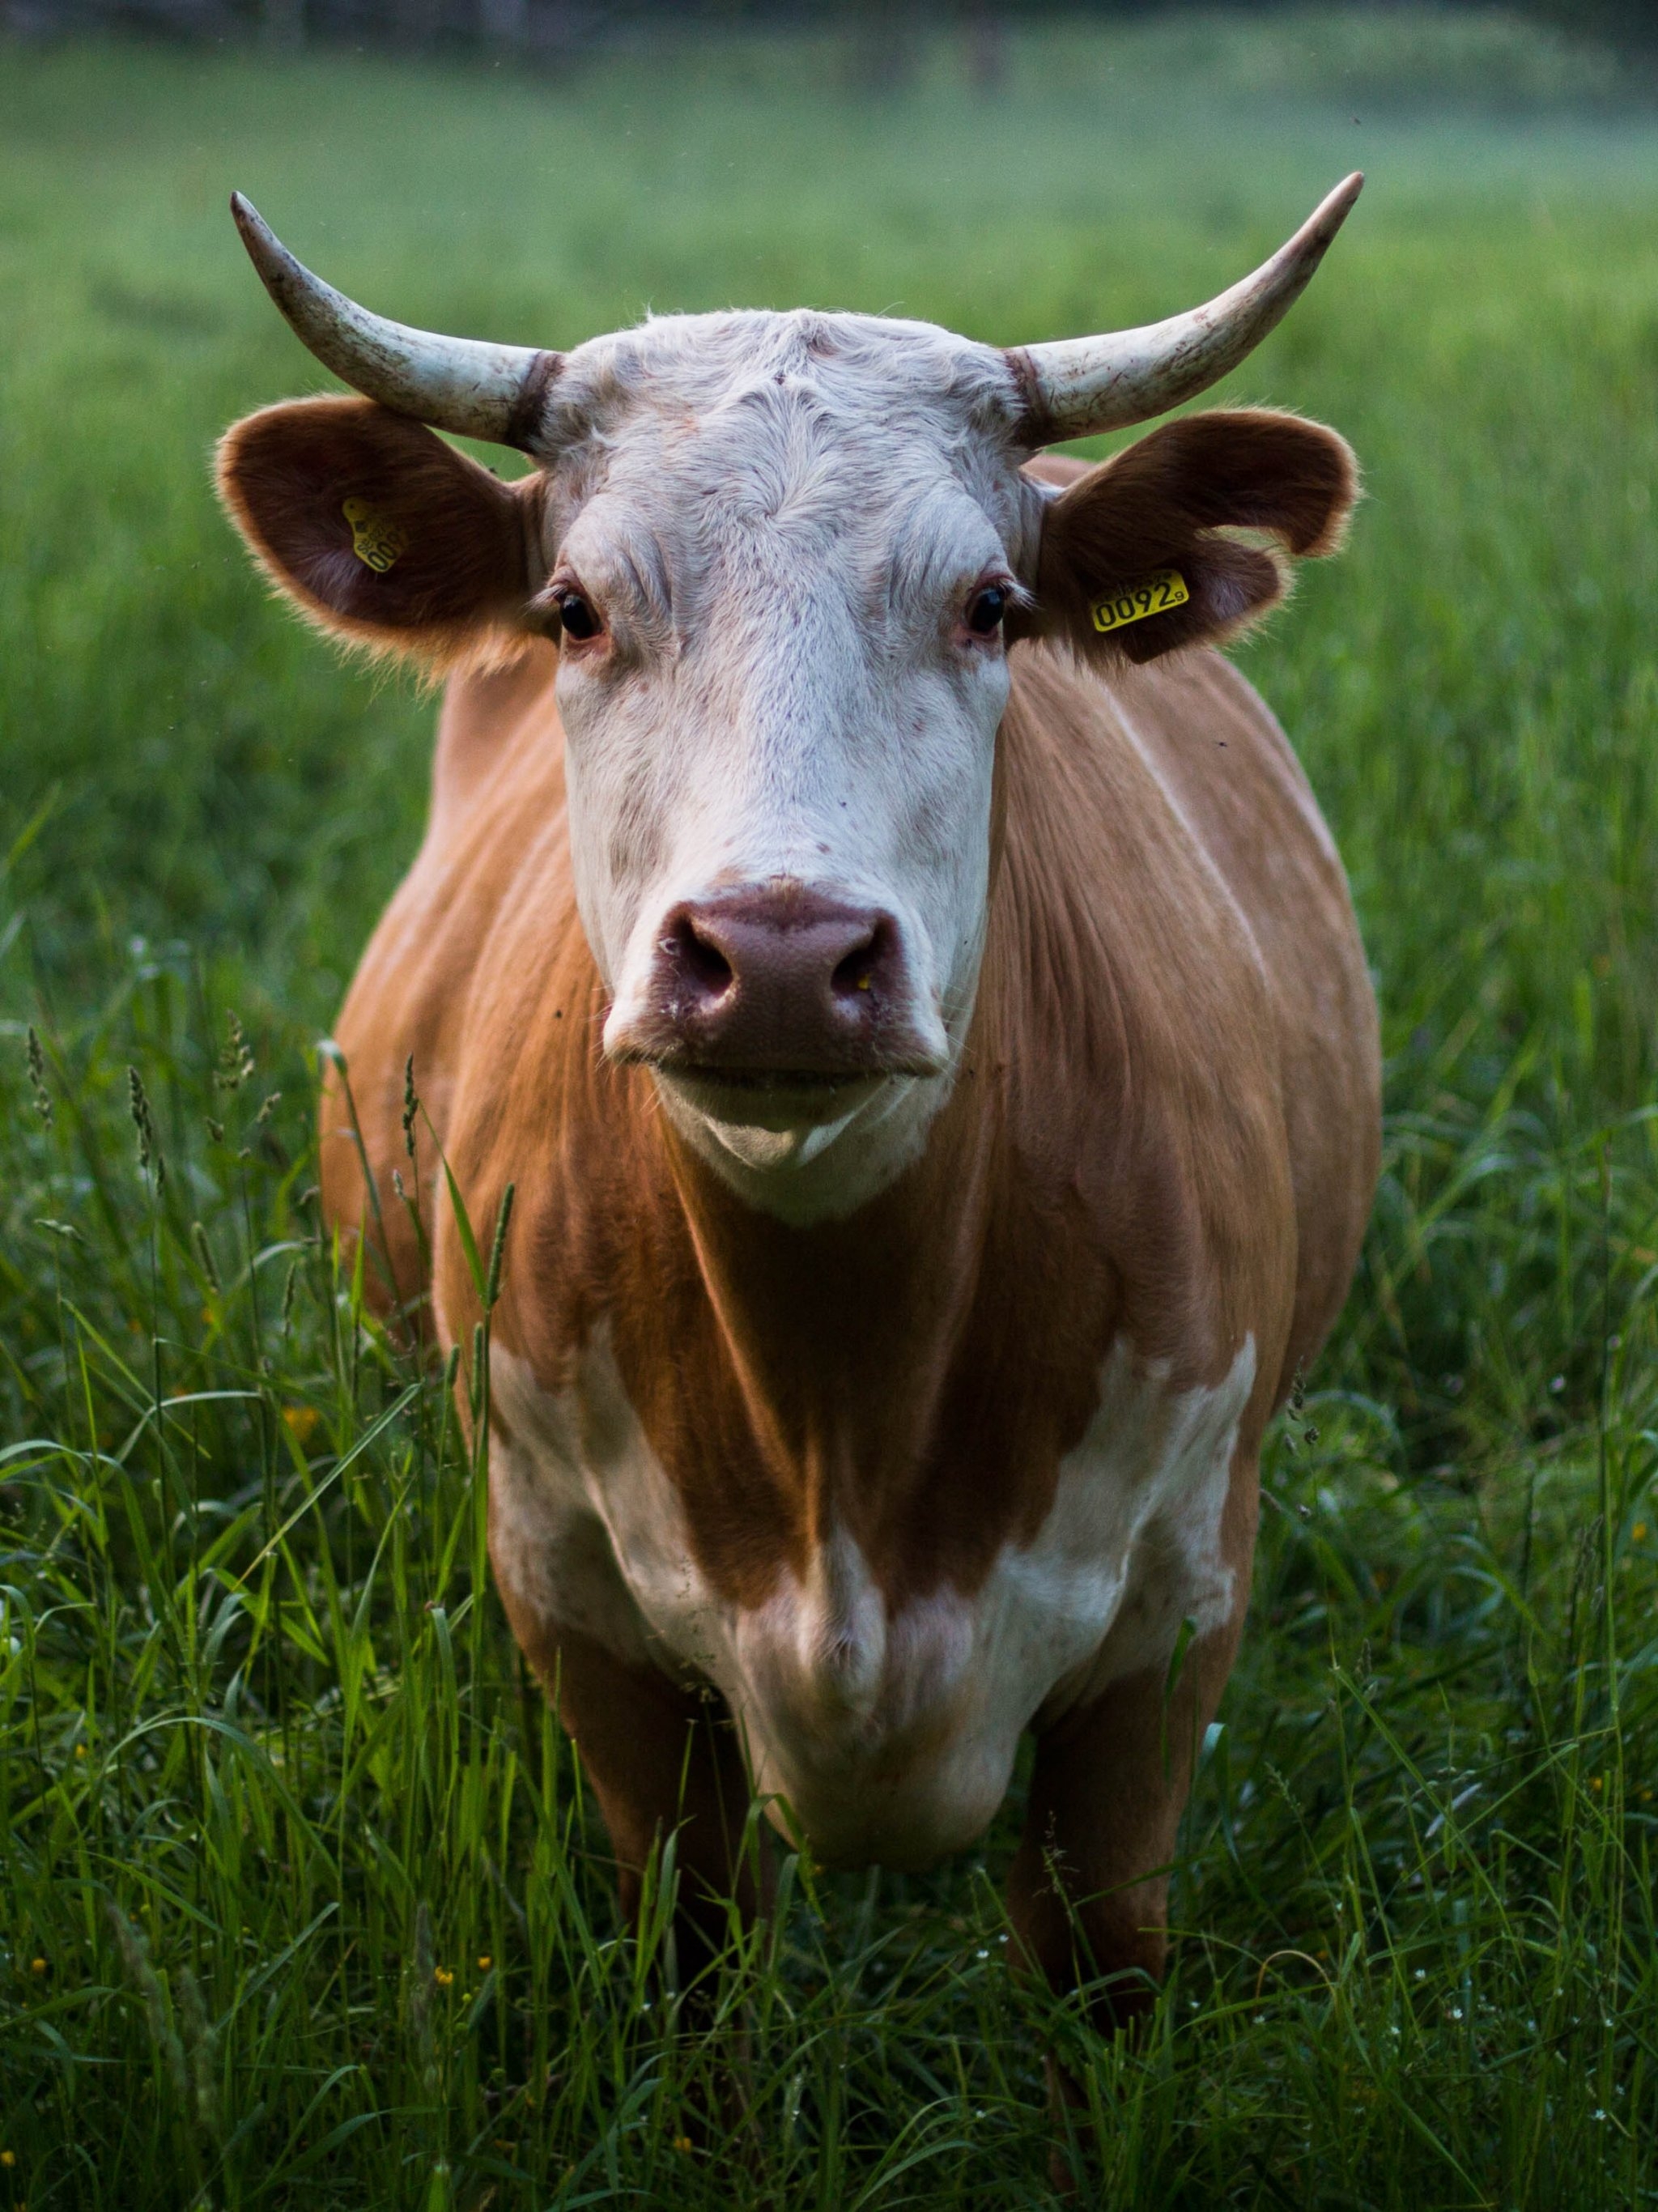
{"x": 882, "y": 40}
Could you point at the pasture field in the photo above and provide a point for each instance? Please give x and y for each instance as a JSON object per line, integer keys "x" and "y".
{"x": 300, "y": 1899}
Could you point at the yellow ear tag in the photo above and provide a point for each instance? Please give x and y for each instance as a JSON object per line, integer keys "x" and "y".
{"x": 376, "y": 540}
{"x": 1154, "y": 597}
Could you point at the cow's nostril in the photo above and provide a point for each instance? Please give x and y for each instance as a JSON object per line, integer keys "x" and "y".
{"x": 855, "y": 973}
{"x": 859, "y": 970}
{"x": 701, "y": 961}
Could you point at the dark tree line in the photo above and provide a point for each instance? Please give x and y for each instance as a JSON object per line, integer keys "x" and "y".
{"x": 1629, "y": 25}
{"x": 877, "y": 31}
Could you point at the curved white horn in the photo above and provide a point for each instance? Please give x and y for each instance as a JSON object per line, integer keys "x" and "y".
{"x": 463, "y": 385}
{"x": 1073, "y": 387}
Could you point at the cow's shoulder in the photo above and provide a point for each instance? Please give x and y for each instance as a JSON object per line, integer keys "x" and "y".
{"x": 485, "y": 711}
{"x": 1180, "y": 915}
{"x": 1221, "y": 751}
{"x": 495, "y": 846}
{"x": 1110, "y": 893}
{"x": 1224, "y": 757}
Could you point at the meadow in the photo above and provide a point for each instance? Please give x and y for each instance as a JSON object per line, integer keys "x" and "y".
{"x": 300, "y": 1898}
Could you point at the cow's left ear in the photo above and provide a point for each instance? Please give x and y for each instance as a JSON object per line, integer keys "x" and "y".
{"x": 380, "y": 532}
{"x": 1163, "y": 508}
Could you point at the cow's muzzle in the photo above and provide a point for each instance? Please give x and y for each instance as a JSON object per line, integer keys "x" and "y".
{"x": 778, "y": 988}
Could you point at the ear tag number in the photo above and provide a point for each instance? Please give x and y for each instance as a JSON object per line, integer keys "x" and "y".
{"x": 1154, "y": 597}
{"x": 376, "y": 540}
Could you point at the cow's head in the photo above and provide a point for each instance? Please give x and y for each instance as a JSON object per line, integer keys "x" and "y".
{"x": 784, "y": 556}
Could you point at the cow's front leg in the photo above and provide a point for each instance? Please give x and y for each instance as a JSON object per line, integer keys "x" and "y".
{"x": 1088, "y": 1893}
{"x": 660, "y": 1758}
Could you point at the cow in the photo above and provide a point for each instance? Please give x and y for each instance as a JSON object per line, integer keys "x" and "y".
{"x": 902, "y": 969}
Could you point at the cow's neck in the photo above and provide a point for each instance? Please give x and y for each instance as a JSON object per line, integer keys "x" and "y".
{"x": 842, "y": 1336}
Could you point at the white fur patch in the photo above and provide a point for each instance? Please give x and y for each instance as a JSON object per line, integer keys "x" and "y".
{"x": 890, "y": 1737}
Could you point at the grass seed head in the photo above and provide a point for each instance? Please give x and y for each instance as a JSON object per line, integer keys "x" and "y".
{"x": 199, "y": 1238}
{"x": 235, "y": 1059}
{"x": 135, "y": 1957}
{"x": 37, "y": 1066}
{"x": 199, "y": 2040}
{"x": 149, "y": 1150}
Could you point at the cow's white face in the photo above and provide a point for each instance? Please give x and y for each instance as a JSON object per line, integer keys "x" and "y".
{"x": 785, "y": 536}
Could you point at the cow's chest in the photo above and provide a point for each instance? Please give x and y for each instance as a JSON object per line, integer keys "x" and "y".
{"x": 889, "y": 1729}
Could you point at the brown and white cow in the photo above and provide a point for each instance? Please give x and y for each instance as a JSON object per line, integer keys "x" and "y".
{"x": 927, "y": 1033}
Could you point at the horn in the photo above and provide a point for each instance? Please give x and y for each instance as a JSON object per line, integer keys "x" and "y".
{"x": 1074, "y": 387}
{"x": 463, "y": 385}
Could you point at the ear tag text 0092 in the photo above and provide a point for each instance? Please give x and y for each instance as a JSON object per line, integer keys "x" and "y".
{"x": 376, "y": 540}
{"x": 1154, "y": 596}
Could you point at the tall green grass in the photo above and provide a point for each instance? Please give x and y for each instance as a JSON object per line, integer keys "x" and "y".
{"x": 300, "y": 1898}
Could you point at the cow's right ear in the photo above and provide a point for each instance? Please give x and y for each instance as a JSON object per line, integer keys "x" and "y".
{"x": 380, "y": 532}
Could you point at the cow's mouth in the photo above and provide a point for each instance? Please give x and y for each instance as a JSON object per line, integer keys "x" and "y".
{"x": 763, "y": 1081}
{"x": 775, "y": 1098}
{"x": 828, "y": 1075}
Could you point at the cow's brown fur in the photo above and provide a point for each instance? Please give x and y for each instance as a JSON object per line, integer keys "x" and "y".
{"x": 1165, "y": 1131}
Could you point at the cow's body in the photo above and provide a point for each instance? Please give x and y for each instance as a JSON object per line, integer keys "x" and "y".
{"x": 906, "y": 980}
{"x": 901, "y": 1485}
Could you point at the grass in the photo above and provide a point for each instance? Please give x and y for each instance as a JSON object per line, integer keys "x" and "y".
{"x": 300, "y": 1899}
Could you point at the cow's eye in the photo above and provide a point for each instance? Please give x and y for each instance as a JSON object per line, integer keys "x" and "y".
{"x": 578, "y": 616}
{"x": 984, "y": 615}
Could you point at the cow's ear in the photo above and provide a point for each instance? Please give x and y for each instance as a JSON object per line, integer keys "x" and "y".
{"x": 1138, "y": 558}
{"x": 380, "y": 532}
